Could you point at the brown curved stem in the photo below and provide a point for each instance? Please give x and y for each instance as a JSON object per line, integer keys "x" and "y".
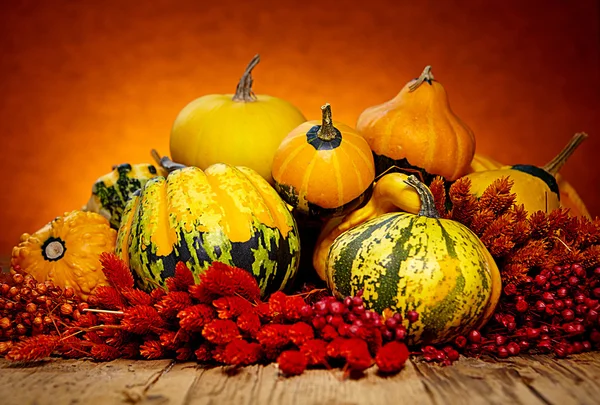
{"x": 426, "y": 76}
{"x": 427, "y": 202}
{"x": 554, "y": 166}
{"x": 327, "y": 131}
{"x": 165, "y": 162}
{"x": 244, "y": 92}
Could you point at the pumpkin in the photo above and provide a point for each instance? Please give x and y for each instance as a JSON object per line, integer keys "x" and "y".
{"x": 535, "y": 187}
{"x": 67, "y": 251}
{"x": 569, "y": 198}
{"x": 403, "y": 262}
{"x": 323, "y": 168}
{"x": 111, "y": 191}
{"x": 224, "y": 213}
{"x": 417, "y": 130}
{"x": 391, "y": 193}
{"x": 241, "y": 129}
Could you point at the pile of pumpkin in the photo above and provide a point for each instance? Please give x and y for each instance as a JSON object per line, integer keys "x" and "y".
{"x": 249, "y": 172}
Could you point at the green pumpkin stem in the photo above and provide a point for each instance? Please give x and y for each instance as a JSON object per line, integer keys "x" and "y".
{"x": 244, "y": 92}
{"x": 554, "y": 166}
{"x": 165, "y": 162}
{"x": 327, "y": 132}
{"x": 426, "y": 76}
{"x": 427, "y": 202}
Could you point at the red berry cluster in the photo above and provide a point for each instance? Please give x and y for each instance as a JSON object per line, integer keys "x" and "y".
{"x": 554, "y": 312}
{"x": 29, "y": 308}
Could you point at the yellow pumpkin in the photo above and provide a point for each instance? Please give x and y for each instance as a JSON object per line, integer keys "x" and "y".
{"x": 241, "y": 129}
{"x": 323, "y": 168}
{"x": 537, "y": 188}
{"x": 67, "y": 251}
{"x": 417, "y": 131}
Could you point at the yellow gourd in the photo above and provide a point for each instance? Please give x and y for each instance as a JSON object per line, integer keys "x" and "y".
{"x": 241, "y": 129}
{"x": 535, "y": 187}
{"x": 67, "y": 251}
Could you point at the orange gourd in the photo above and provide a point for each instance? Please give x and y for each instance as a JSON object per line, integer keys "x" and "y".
{"x": 417, "y": 131}
{"x": 323, "y": 168}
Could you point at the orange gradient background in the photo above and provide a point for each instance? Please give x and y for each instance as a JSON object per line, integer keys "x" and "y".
{"x": 88, "y": 84}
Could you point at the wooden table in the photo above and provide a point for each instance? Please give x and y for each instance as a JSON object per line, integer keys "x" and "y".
{"x": 521, "y": 380}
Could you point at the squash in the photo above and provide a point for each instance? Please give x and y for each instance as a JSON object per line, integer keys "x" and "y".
{"x": 67, "y": 251}
{"x": 535, "y": 187}
{"x": 569, "y": 198}
{"x": 391, "y": 193}
{"x": 241, "y": 129}
{"x": 111, "y": 191}
{"x": 323, "y": 168}
{"x": 403, "y": 262}
{"x": 417, "y": 130}
{"x": 224, "y": 213}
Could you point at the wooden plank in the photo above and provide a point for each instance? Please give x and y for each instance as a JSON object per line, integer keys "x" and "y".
{"x": 76, "y": 381}
{"x": 520, "y": 380}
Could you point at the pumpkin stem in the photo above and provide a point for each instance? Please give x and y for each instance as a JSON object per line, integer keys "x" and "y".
{"x": 427, "y": 202}
{"x": 244, "y": 92}
{"x": 554, "y": 166}
{"x": 426, "y": 76}
{"x": 165, "y": 162}
{"x": 327, "y": 132}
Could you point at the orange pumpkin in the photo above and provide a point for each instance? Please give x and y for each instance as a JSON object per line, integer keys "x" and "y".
{"x": 417, "y": 131}
{"x": 323, "y": 168}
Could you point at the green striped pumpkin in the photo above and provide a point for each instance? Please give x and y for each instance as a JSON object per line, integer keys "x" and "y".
{"x": 111, "y": 192}
{"x": 403, "y": 262}
{"x": 225, "y": 213}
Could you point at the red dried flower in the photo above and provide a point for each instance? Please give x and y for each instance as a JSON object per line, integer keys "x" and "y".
{"x": 438, "y": 190}
{"x": 104, "y": 352}
{"x": 157, "y": 294}
{"x": 263, "y": 309}
{"x": 293, "y": 307}
{"x": 356, "y": 353}
{"x": 182, "y": 280}
{"x": 334, "y": 348}
{"x": 277, "y": 303}
{"x": 391, "y": 357}
{"x": 315, "y": 351}
{"x": 300, "y": 332}
{"x": 141, "y": 319}
{"x": 184, "y": 353}
{"x": 231, "y": 307}
{"x": 73, "y": 348}
{"x": 201, "y": 294}
{"x": 249, "y": 323}
{"x": 329, "y": 332}
{"x": 172, "y": 303}
{"x": 195, "y": 317}
{"x": 221, "y": 331}
{"x": 152, "y": 349}
{"x": 108, "y": 298}
{"x": 204, "y": 352}
{"x": 172, "y": 340}
{"x": 221, "y": 279}
{"x": 136, "y": 297}
{"x": 292, "y": 362}
{"x": 273, "y": 336}
{"x": 218, "y": 354}
{"x": 33, "y": 348}
{"x": 497, "y": 196}
{"x": 116, "y": 271}
{"x": 130, "y": 350}
{"x": 242, "y": 353}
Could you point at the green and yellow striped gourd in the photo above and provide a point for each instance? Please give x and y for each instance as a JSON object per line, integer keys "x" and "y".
{"x": 111, "y": 191}
{"x": 403, "y": 262}
{"x": 224, "y": 213}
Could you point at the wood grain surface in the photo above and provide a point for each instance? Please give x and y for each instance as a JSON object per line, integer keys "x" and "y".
{"x": 527, "y": 380}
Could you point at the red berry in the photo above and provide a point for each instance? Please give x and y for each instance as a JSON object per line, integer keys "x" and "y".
{"x": 540, "y": 280}
{"x": 524, "y": 345}
{"x": 400, "y": 333}
{"x": 579, "y": 271}
{"x": 306, "y": 311}
{"x": 412, "y": 316}
{"x": 522, "y": 306}
{"x": 513, "y": 348}
{"x": 391, "y": 323}
{"x": 548, "y": 296}
{"x": 559, "y": 305}
{"x": 540, "y": 306}
{"x": 562, "y": 292}
{"x": 587, "y": 346}
{"x": 337, "y": 308}
{"x": 453, "y": 355}
{"x": 510, "y": 289}
{"x": 544, "y": 346}
{"x": 319, "y": 322}
{"x": 533, "y": 333}
{"x": 595, "y": 336}
{"x": 336, "y": 321}
{"x": 356, "y": 301}
{"x": 502, "y": 352}
{"x": 568, "y": 303}
{"x": 591, "y": 317}
{"x": 501, "y": 340}
{"x": 429, "y": 350}
{"x": 577, "y": 347}
{"x": 348, "y": 301}
{"x": 386, "y": 335}
{"x": 475, "y": 336}
{"x": 580, "y": 297}
{"x": 359, "y": 309}
{"x": 596, "y": 292}
{"x": 511, "y": 326}
{"x": 561, "y": 351}
{"x": 460, "y": 342}
{"x": 320, "y": 307}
